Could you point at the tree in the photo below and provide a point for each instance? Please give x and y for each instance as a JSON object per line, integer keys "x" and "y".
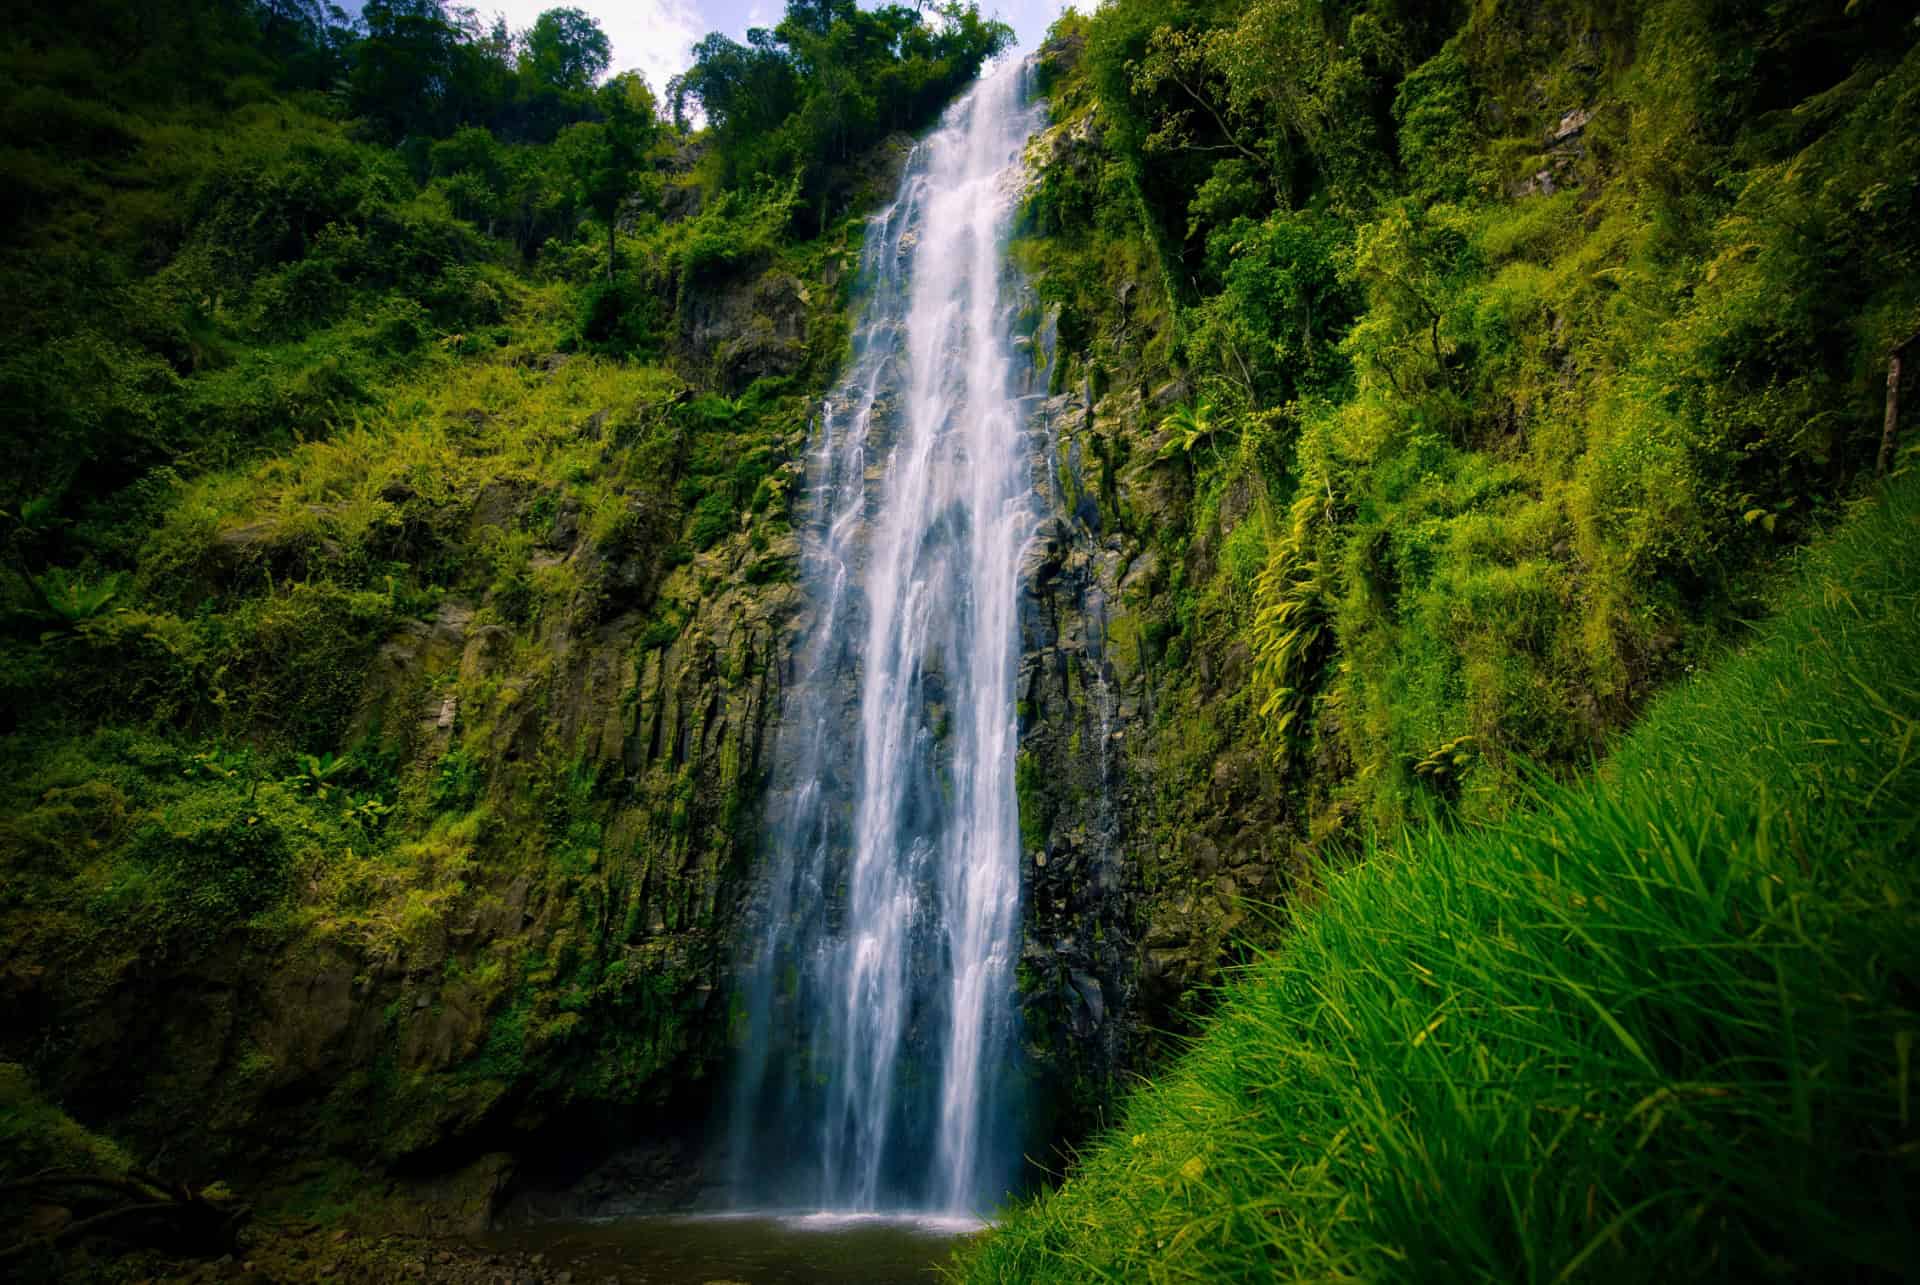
{"x": 744, "y": 90}
{"x": 309, "y": 40}
{"x": 604, "y": 158}
{"x": 818, "y": 16}
{"x": 566, "y": 51}
{"x": 403, "y": 69}
{"x": 831, "y": 79}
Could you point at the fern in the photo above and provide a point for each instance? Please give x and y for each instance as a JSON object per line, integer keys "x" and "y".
{"x": 66, "y": 601}
{"x": 1289, "y": 616}
{"x": 1448, "y": 761}
{"x": 38, "y": 515}
{"x": 1194, "y": 424}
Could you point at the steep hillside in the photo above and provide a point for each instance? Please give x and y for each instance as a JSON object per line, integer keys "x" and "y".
{"x": 1656, "y": 1025}
{"x": 1434, "y": 387}
{"x": 398, "y": 592}
{"x": 397, "y": 571}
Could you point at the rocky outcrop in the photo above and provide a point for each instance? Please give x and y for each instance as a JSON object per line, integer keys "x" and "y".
{"x": 746, "y": 328}
{"x": 513, "y": 933}
{"x": 634, "y": 760}
{"x": 1151, "y": 835}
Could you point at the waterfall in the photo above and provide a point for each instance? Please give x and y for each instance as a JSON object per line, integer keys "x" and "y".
{"x": 876, "y": 1016}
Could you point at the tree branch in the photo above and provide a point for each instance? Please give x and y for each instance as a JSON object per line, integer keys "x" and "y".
{"x": 134, "y": 1187}
{"x": 86, "y": 1227}
{"x": 209, "y": 1226}
{"x": 1206, "y": 106}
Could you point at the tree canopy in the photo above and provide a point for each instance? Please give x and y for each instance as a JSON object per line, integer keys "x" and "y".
{"x": 829, "y": 80}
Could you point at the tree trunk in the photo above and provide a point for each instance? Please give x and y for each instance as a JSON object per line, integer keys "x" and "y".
{"x": 1891, "y": 427}
{"x": 612, "y": 223}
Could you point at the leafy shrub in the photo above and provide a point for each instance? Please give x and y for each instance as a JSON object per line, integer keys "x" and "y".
{"x": 74, "y": 125}
{"x": 713, "y": 520}
{"x": 457, "y": 782}
{"x": 294, "y": 663}
{"x": 37, "y": 1136}
{"x": 619, "y": 319}
{"x": 65, "y": 600}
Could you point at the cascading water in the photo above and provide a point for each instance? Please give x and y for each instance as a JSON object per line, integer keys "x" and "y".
{"x": 877, "y": 1067}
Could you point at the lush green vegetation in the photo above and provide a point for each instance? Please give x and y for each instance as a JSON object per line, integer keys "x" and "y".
{"x": 404, "y": 419}
{"x": 1457, "y": 377}
{"x": 267, "y": 220}
{"x": 829, "y": 82}
{"x": 1657, "y": 1024}
{"x": 1533, "y": 334}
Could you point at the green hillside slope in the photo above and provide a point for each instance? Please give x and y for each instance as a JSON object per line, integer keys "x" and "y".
{"x": 1661, "y": 1023}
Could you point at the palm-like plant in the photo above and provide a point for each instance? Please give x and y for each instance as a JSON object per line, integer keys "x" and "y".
{"x": 1289, "y": 616}
{"x": 369, "y": 812}
{"x": 320, "y": 773}
{"x": 66, "y": 601}
{"x": 1193, "y": 423}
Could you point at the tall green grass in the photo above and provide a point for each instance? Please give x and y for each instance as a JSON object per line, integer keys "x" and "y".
{"x": 1661, "y": 1024}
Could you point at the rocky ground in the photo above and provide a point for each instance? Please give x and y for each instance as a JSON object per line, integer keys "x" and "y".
{"x": 293, "y": 1253}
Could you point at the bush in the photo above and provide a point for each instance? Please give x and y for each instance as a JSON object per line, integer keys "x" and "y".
{"x": 619, "y": 319}
{"x": 294, "y": 663}
{"x": 713, "y": 520}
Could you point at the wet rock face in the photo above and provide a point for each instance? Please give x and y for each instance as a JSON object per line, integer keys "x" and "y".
{"x": 1081, "y": 885}
{"x": 655, "y": 1176}
{"x": 672, "y": 737}
{"x": 1147, "y": 829}
{"x": 421, "y": 1046}
{"x": 546, "y": 916}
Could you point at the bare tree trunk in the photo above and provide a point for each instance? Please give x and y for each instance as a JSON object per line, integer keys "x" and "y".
{"x": 1891, "y": 427}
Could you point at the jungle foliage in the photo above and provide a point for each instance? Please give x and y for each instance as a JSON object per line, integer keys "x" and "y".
{"x": 1537, "y": 334}
{"x": 1658, "y": 1023}
{"x": 1510, "y": 352}
{"x": 228, "y": 228}
{"x": 331, "y": 346}
{"x": 1503, "y": 354}
{"x": 829, "y": 81}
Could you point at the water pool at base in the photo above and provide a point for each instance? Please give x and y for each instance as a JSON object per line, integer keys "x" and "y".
{"x": 752, "y": 1249}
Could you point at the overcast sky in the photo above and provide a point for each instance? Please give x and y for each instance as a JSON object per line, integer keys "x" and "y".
{"x": 653, "y": 36}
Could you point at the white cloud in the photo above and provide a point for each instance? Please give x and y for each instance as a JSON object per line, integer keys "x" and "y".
{"x": 653, "y": 37}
